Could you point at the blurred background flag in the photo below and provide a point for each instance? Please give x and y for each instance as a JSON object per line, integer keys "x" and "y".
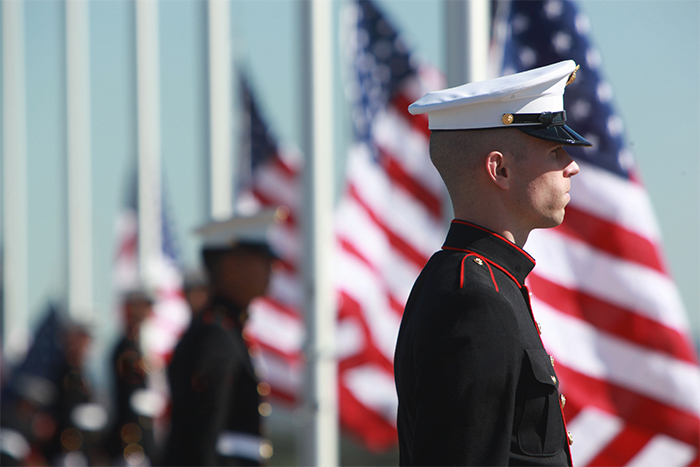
{"x": 610, "y": 311}
{"x": 171, "y": 314}
{"x": 38, "y": 376}
{"x": 270, "y": 178}
{"x": 389, "y": 220}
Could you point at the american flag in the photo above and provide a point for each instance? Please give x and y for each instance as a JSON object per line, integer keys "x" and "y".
{"x": 388, "y": 222}
{"x": 270, "y": 178}
{"x": 39, "y": 375}
{"x": 171, "y": 314}
{"x": 611, "y": 314}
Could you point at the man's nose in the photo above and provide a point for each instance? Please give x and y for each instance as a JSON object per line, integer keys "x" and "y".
{"x": 572, "y": 169}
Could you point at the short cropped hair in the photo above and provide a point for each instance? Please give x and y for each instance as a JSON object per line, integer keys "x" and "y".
{"x": 458, "y": 154}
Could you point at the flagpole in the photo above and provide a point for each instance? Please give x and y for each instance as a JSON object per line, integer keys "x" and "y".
{"x": 80, "y": 301}
{"x": 468, "y": 25}
{"x": 222, "y": 110}
{"x": 15, "y": 249}
{"x": 321, "y": 397}
{"x": 466, "y": 50}
{"x": 148, "y": 97}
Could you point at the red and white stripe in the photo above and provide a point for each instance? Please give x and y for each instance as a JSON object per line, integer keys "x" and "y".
{"x": 125, "y": 274}
{"x": 614, "y": 321}
{"x": 171, "y": 314}
{"x": 276, "y": 325}
{"x": 389, "y": 222}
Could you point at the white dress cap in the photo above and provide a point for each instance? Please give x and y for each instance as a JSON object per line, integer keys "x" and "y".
{"x": 483, "y": 104}
{"x": 241, "y": 230}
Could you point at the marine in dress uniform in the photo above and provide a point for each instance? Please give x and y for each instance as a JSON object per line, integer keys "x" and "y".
{"x": 78, "y": 431}
{"x": 215, "y": 416}
{"x": 48, "y": 417}
{"x": 474, "y": 381}
{"x": 131, "y": 437}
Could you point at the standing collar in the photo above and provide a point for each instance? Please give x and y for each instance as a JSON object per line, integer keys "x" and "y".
{"x": 224, "y": 311}
{"x": 465, "y": 236}
{"x": 231, "y": 307}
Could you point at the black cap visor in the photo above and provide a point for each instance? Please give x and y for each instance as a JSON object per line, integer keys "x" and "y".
{"x": 244, "y": 246}
{"x": 556, "y": 133}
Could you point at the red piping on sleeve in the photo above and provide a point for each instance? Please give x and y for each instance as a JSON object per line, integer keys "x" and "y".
{"x": 488, "y": 264}
{"x": 492, "y": 276}
{"x": 461, "y": 273}
{"x": 471, "y": 253}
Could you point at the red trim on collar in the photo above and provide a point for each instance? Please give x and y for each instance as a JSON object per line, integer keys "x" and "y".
{"x": 483, "y": 229}
{"x": 488, "y": 261}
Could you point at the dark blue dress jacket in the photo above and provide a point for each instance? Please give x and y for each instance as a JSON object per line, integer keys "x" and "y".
{"x": 475, "y": 384}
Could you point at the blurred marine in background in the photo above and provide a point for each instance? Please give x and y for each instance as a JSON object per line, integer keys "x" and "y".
{"x": 215, "y": 416}
{"x": 49, "y": 415}
{"x": 131, "y": 441}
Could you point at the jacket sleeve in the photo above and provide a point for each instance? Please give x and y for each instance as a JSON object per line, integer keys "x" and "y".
{"x": 467, "y": 374}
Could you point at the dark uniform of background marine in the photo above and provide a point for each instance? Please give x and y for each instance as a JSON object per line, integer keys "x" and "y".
{"x": 131, "y": 436}
{"x": 213, "y": 386}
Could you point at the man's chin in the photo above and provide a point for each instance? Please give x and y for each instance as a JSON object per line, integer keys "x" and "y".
{"x": 551, "y": 222}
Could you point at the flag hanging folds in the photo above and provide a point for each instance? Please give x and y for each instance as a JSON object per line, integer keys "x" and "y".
{"x": 270, "y": 178}
{"x": 389, "y": 220}
{"x": 171, "y": 313}
{"x": 33, "y": 387}
{"x": 125, "y": 274}
{"x": 610, "y": 312}
{"x": 39, "y": 375}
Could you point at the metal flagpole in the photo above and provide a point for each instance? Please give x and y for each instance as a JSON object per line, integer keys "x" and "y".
{"x": 15, "y": 271}
{"x": 148, "y": 97}
{"x": 468, "y": 35}
{"x": 322, "y": 379}
{"x": 222, "y": 110}
{"x": 80, "y": 301}
{"x": 467, "y": 43}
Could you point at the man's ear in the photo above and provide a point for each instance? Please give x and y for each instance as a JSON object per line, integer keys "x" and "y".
{"x": 497, "y": 169}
